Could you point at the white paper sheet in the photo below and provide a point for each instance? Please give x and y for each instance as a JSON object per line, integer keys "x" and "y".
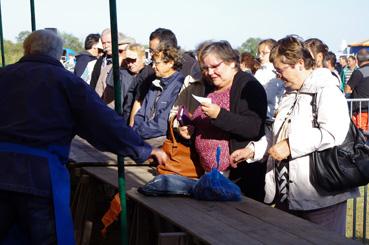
{"x": 202, "y": 99}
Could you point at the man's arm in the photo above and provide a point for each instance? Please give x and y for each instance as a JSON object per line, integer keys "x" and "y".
{"x": 135, "y": 107}
{"x": 354, "y": 81}
{"x": 348, "y": 89}
{"x": 101, "y": 126}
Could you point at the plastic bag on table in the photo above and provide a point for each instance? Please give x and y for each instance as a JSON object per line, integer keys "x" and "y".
{"x": 168, "y": 185}
{"x": 213, "y": 186}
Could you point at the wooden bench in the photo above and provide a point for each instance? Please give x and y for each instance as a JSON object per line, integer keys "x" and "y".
{"x": 177, "y": 220}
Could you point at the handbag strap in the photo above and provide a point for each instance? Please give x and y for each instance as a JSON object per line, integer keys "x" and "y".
{"x": 286, "y": 119}
{"x": 315, "y": 111}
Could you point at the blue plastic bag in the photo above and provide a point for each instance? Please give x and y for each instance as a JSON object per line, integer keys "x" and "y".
{"x": 214, "y": 186}
{"x": 168, "y": 185}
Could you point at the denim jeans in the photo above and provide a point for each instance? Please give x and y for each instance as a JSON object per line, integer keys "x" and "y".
{"x": 26, "y": 219}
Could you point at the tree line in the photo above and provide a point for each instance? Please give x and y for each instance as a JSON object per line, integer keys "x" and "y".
{"x": 14, "y": 50}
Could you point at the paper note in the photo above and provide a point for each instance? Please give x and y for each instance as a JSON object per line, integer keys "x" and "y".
{"x": 202, "y": 99}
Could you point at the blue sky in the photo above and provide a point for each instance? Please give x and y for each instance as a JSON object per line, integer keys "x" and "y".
{"x": 194, "y": 21}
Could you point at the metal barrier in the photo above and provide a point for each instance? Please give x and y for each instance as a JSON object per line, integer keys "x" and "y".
{"x": 358, "y": 106}
{"x": 362, "y": 105}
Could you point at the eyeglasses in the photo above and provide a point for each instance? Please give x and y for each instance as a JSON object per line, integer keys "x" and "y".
{"x": 157, "y": 62}
{"x": 263, "y": 53}
{"x": 213, "y": 67}
{"x": 121, "y": 50}
{"x": 279, "y": 71}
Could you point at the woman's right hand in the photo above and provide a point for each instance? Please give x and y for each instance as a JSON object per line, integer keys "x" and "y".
{"x": 158, "y": 155}
{"x": 186, "y": 131}
{"x": 241, "y": 155}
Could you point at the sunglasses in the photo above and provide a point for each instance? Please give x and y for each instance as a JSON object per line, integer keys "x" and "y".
{"x": 130, "y": 60}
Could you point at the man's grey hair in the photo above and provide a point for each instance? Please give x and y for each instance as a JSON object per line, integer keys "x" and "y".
{"x": 106, "y": 31}
{"x": 44, "y": 42}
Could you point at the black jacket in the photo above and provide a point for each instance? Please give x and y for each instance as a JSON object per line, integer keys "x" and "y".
{"x": 245, "y": 122}
{"x": 248, "y": 107}
{"x": 81, "y": 62}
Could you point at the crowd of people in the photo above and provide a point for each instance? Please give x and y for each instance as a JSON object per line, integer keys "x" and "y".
{"x": 257, "y": 110}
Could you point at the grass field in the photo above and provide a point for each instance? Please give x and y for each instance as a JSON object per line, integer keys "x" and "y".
{"x": 359, "y": 218}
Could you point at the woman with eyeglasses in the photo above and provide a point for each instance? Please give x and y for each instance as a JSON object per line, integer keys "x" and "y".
{"x": 266, "y": 76}
{"x": 151, "y": 121}
{"x": 294, "y": 136}
{"x": 235, "y": 116}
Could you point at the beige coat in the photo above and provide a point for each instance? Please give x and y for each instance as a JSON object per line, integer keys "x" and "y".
{"x": 101, "y": 82}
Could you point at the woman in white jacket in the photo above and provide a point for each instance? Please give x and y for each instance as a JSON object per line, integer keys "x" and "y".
{"x": 294, "y": 137}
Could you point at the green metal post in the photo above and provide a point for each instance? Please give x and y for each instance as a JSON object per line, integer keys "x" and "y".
{"x": 118, "y": 109}
{"x": 2, "y": 39}
{"x": 33, "y": 19}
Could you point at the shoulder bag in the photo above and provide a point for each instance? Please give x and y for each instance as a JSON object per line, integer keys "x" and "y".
{"x": 342, "y": 167}
{"x": 182, "y": 159}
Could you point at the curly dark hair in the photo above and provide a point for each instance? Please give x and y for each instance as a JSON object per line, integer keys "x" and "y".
{"x": 169, "y": 53}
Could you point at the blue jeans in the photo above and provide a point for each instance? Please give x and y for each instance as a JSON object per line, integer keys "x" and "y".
{"x": 26, "y": 219}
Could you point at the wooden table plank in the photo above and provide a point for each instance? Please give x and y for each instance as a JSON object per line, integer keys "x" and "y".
{"x": 135, "y": 175}
{"x": 245, "y": 222}
{"x": 299, "y": 227}
{"x": 201, "y": 219}
{"x": 192, "y": 220}
{"x": 84, "y": 154}
{"x": 227, "y": 214}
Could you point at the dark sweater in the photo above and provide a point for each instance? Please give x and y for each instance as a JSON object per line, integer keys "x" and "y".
{"x": 81, "y": 62}
{"x": 245, "y": 122}
{"x": 248, "y": 107}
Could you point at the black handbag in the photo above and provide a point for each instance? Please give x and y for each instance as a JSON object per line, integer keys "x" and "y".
{"x": 342, "y": 167}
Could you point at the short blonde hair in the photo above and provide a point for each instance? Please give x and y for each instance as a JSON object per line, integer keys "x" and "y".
{"x": 137, "y": 48}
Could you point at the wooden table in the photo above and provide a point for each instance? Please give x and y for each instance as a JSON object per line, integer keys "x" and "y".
{"x": 84, "y": 154}
{"x": 201, "y": 222}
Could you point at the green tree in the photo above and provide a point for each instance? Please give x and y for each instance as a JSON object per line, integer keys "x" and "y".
{"x": 13, "y": 52}
{"x": 22, "y": 35}
{"x": 250, "y": 45}
{"x": 71, "y": 42}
